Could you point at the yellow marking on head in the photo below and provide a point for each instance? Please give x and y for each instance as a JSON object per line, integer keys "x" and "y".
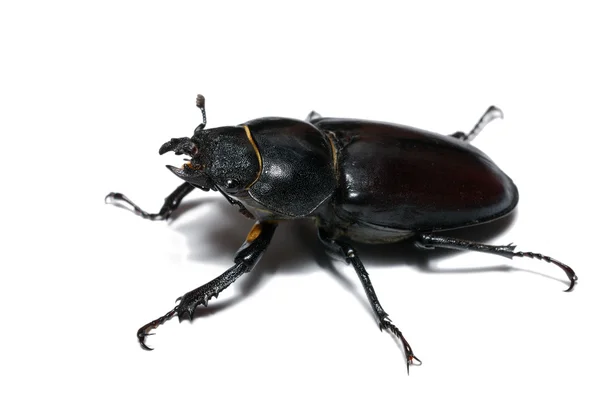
{"x": 254, "y": 232}
{"x": 260, "y": 163}
{"x": 190, "y": 166}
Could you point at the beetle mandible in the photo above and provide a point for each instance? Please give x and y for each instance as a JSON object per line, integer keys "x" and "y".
{"x": 359, "y": 181}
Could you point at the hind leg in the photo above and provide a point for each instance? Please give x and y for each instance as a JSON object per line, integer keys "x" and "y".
{"x": 491, "y": 114}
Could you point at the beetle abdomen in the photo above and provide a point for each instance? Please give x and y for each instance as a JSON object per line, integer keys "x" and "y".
{"x": 405, "y": 178}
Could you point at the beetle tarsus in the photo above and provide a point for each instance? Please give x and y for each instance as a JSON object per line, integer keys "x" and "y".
{"x": 568, "y": 270}
{"x": 122, "y": 201}
{"x": 143, "y": 332}
{"x": 490, "y": 114}
{"x": 386, "y": 323}
{"x": 142, "y": 339}
{"x": 171, "y": 203}
{"x": 429, "y": 241}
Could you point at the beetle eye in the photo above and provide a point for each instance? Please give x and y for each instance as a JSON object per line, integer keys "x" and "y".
{"x": 231, "y": 184}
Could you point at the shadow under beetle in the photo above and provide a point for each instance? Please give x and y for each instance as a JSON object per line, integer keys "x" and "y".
{"x": 359, "y": 181}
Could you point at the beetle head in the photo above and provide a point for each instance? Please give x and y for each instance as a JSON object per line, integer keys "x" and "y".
{"x": 221, "y": 158}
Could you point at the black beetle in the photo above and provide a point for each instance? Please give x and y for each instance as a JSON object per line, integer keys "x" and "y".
{"x": 360, "y": 181}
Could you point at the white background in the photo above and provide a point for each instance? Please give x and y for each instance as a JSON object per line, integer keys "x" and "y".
{"x": 90, "y": 92}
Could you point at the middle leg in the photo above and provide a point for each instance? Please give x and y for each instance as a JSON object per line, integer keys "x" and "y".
{"x": 312, "y": 116}
{"x": 349, "y": 255}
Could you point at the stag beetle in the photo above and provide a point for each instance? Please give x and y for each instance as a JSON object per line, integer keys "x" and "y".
{"x": 359, "y": 181}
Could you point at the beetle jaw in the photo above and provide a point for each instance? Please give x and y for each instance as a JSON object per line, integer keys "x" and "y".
{"x": 179, "y": 146}
{"x": 191, "y": 172}
{"x": 195, "y": 177}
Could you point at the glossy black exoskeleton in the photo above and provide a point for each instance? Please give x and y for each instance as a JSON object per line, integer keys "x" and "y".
{"x": 359, "y": 181}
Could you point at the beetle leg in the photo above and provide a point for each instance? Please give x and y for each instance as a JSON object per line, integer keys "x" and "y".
{"x": 491, "y": 114}
{"x": 351, "y": 257}
{"x": 313, "y": 115}
{"x": 245, "y": 259}
{"x": 429, "y": 241}
{"x": 171, "y": 203}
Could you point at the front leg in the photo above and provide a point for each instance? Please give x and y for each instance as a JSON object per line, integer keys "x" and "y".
{"x": 171, "y": 203}
{"x": 245, "y": 259}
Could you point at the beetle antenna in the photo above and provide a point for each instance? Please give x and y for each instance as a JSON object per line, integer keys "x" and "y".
{"x": 200, "y": 104}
